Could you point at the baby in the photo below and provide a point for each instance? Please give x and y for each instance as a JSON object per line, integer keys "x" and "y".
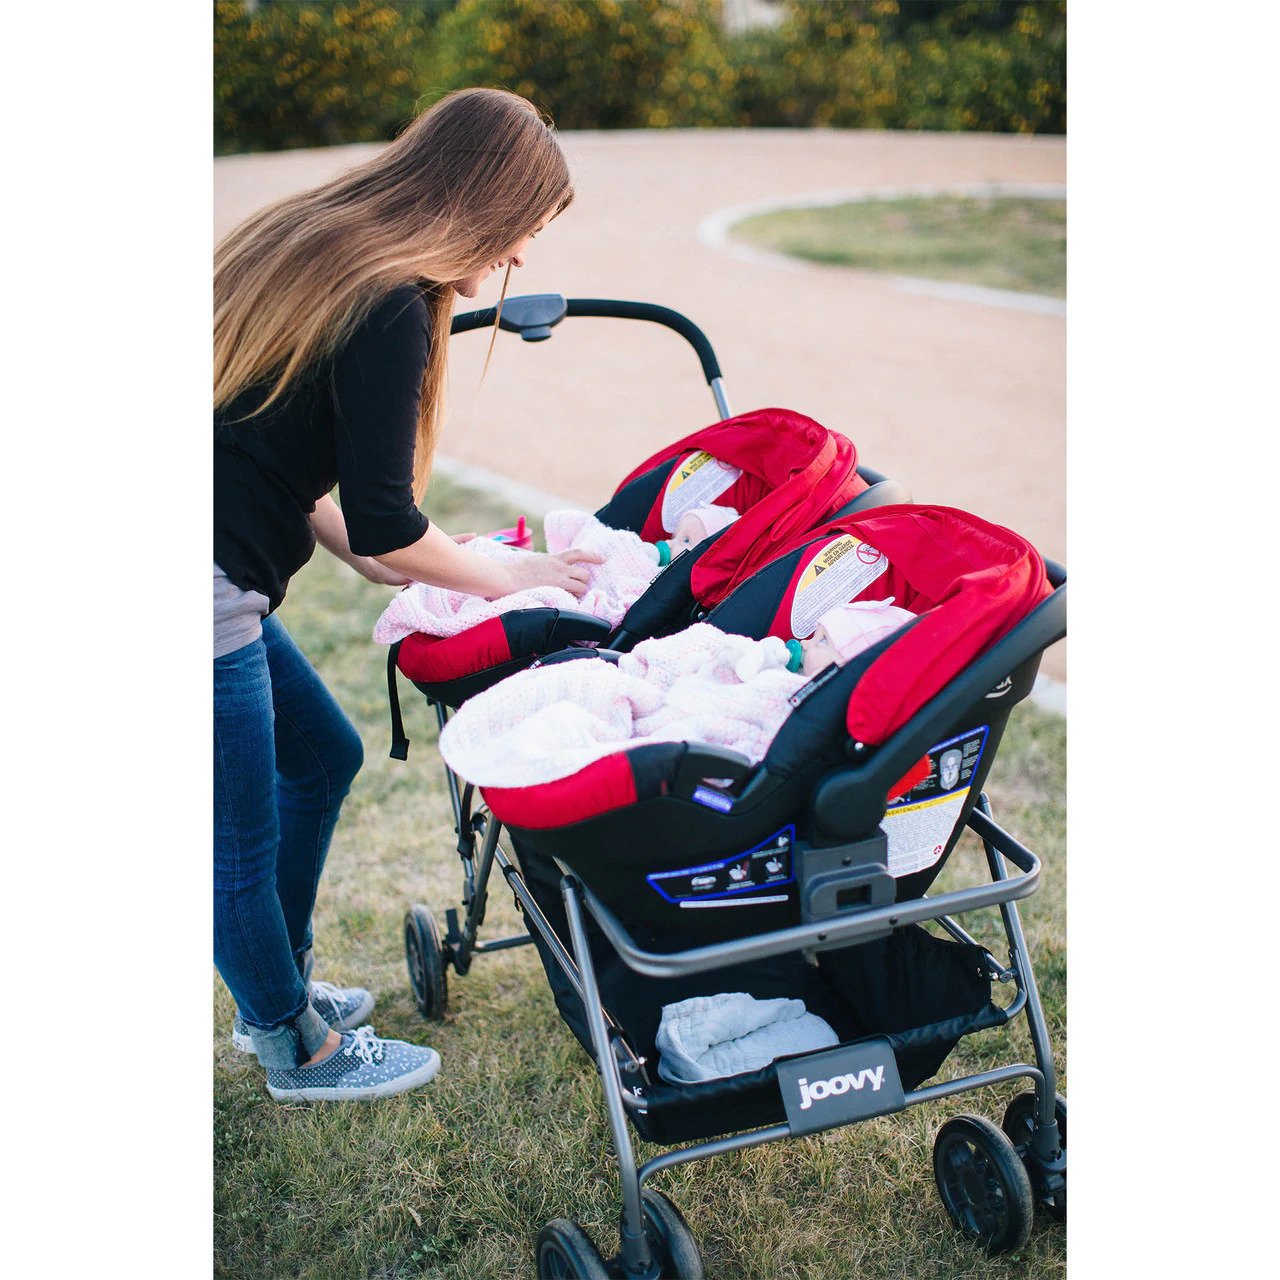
{"x": 845, "y": 632}
{"x": 692, "y": 528}
{"x": 700, "y": 685}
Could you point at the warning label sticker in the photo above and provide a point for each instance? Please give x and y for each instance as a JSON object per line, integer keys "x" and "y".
{"x": 768, "y": 865}
{"x": 919, "y": 823}
{"x": 696, "y": 482}
{"x": 837, "y": 572}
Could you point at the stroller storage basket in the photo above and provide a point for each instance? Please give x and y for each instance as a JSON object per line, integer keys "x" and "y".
{"x": 878, "y": 976}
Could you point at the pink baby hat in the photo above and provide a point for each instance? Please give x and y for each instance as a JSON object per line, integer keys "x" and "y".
{"x": 851, "y": 628}
{"x": 714, "y": 518}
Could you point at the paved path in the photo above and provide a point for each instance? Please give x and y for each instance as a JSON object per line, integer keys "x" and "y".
{"x": 964, "y": 403}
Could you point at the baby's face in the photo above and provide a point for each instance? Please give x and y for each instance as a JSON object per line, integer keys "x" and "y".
{"x": 819, "y": 652}
{"x": 688, "y": 533}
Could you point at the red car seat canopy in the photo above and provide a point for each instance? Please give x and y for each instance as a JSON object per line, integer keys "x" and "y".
{"x": 794, "y": 473}
{"x": 969, "y": 580}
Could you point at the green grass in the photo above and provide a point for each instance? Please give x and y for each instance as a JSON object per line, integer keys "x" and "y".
{"x": 1001, "y": 242}
{"x": 455, "y": 1181}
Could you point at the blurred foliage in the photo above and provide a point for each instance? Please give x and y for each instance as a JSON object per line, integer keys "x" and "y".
{"x": 315, "y": 74}
{"x": 591, "y": 64}
{"x": 310, "y": 74}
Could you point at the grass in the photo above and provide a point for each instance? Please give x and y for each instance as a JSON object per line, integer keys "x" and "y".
{"x": 455, "y": 1181}
{"x": 1001, "y": 242}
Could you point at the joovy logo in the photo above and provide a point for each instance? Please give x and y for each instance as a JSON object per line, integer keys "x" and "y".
{"x": 850, "y": 1082}
{"x": 836, "y": 1085}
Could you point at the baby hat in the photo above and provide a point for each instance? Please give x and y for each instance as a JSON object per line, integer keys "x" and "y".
{"x": 851, "y": 628}
{"x": 714, "y": 519}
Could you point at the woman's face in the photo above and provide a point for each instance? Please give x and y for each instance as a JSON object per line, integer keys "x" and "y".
{"x": 469, "y": 287}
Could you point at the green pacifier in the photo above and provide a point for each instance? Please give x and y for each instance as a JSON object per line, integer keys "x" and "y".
{"x": 796, "y": 650}
{"x": 664, "y": 554}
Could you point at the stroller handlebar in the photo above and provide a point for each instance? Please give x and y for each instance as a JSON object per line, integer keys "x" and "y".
{"x": 534, "y": 315}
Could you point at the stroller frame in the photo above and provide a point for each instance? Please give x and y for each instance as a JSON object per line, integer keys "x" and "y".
{"x": 1039, "y": 1141}
{"x": 1042, "y": 1152}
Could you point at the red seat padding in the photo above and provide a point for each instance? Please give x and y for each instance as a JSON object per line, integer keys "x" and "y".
{"x": 600, "y": 786}
{"x": 431, "y": 659}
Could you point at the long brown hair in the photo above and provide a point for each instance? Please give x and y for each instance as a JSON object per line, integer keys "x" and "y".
{"x": 463, "y": 184}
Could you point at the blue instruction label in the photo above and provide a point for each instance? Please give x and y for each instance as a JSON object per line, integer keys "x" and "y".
{"x": 767, "y": 865}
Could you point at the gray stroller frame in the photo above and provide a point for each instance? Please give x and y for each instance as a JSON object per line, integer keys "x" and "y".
{"x": 990, "y": 1179}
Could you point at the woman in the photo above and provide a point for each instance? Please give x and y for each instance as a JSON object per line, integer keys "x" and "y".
{"x": 331, "y": 325}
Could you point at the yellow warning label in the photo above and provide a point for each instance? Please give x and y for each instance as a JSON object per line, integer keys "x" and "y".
{"x": 696, "y": 482}
{"x": 838, "y": 572}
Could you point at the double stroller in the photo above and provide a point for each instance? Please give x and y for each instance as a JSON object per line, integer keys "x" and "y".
{"x": 672, "y": 870}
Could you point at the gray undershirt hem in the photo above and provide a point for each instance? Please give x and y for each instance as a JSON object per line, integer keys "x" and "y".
{"x": 237, "y": 615}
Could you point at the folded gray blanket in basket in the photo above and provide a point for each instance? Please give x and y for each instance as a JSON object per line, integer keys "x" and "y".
{"x": 710, "y": 1037}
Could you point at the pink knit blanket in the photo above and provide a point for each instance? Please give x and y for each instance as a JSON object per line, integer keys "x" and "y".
{"x": 699, "y": 685}
{"x": 629, "y": 566}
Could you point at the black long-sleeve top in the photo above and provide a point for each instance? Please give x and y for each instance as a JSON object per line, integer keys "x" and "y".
{"x": 350, "y": 422}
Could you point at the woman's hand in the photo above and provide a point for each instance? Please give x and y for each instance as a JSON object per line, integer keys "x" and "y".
{"x": 368, "y": 567}
{"x": 437, "y": 559}
{"x": 565, "y": 569}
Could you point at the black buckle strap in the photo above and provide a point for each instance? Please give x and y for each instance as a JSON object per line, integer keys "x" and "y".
{"x": 399, "y": 743}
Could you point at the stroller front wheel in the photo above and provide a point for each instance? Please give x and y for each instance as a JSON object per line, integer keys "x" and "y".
{"x": 669, "y": 1233}
{"x": 566, "y": 1252}
{"x": 424, "y": 957}
{"x": 1020, "y": 1124}
{"x": 983, "y": 1183}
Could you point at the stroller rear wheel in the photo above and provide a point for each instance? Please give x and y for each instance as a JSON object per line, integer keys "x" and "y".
{"x": 566, "y": 1252}
{"x": 673, "y": 1242}
{"x": 1019, "y": 1123}
{"x": 425, "y": 958}
{"x": 983, "y": 1183}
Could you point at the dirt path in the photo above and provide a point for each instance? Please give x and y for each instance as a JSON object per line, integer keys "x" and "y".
{"x": 963, "y": 403}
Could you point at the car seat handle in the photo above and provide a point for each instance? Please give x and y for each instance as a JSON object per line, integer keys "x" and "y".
{"x": 701, "y": 761}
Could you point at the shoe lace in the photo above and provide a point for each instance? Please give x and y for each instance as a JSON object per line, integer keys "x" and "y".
{"x": 327, "y": 989}
{"x": 366, "y": 1045}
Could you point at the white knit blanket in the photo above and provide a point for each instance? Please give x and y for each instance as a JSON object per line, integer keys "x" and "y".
{"x": 700, "y": 685}
{"x": 612, "y": 587}
{"x": 709, "y": 1037}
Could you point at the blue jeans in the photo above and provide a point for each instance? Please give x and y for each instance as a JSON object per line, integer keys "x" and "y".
{"x": 284, "y": 757}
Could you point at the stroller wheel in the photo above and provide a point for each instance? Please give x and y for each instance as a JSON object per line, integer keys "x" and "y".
{"x": 673, "y": 1242}
{"x": 425, "y": 958}
{"x": 1019, "y": 1123}
{"x": 566, "y": 1252}
{"x": 983, "y": 1183}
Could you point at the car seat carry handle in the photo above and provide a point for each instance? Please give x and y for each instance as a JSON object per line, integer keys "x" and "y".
{"x": 851, "y": 802}
{"x": 576, "y": 655}
{"x": 572, "y": 627}
{"x": 702, "y": 763}
{"x": 878, "y": 493}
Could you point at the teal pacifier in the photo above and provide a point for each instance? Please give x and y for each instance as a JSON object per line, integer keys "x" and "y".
{"x": 664, "y": 554}
{"x": 796, "y": 650}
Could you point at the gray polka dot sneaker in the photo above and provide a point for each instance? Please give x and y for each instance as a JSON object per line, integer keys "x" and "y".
{"x": 343, "y": 1008}
{"x": 364, "y": 1067}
